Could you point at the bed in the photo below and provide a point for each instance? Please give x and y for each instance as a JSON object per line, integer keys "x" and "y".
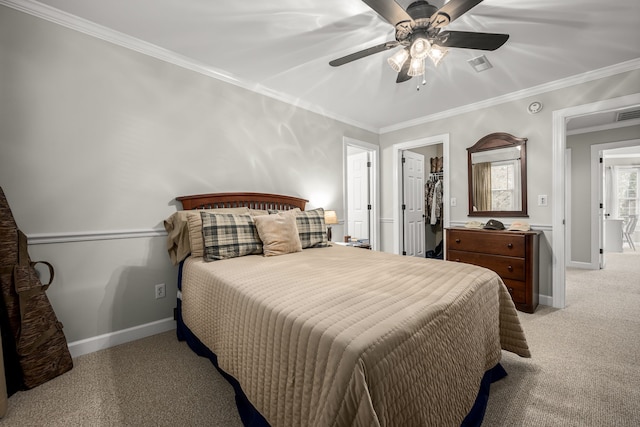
{"x": 330, "y": 335}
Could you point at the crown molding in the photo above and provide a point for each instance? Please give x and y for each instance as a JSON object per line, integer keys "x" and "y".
{"x": 90, "y": 28}
{"x": 612, "y": 70}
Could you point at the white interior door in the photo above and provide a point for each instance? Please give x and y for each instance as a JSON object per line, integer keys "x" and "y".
{"x": 413, "y": 201}
{"x": 358, "y": 212}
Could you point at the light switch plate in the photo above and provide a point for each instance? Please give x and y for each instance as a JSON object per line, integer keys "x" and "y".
{"x": 542, "y": 200}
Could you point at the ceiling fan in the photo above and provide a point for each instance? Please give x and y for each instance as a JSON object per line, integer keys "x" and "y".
{"x": 419, "y": 31}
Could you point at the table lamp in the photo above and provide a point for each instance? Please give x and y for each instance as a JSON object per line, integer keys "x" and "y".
{"x": 330, "y": 218}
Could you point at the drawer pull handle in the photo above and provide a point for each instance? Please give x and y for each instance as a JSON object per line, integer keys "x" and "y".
{"x": 509, "y": 245}
{"x": 510, "y": 290}
{"x": 510, "y": 268}
{"x": 457, "y": 240}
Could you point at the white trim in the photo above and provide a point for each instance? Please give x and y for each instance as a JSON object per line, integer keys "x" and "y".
{"x": 559, "y": 129}
{"x": 90, "y": 28}
{"x": 597, "y": 151}
{"x": 567, "y": 208}
{"x": 582, "y": 265}
{"x": 545, "y": 300}
{"x": 89, "y": 236}
{"x": 397, "y": 181}
{"x": 374, "y": 150}
{"x": 100, "y": 342}
{"x": 386, "y": 220}
{"x": 612, "y": 70}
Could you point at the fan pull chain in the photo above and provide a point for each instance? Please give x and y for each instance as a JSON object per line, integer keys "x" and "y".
{"x": 424, "y": 76}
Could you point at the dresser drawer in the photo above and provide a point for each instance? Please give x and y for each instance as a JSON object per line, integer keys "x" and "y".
{"x": 506, "y": 267}
{"x": 517, "y": 289}
{"x": 488, "y": 242}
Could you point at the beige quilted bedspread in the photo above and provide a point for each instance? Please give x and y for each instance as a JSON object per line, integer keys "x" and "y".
{"x": 350, "y": 337}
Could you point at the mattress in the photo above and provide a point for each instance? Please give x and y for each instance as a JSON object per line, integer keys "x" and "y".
{"x": 345, "y": 336}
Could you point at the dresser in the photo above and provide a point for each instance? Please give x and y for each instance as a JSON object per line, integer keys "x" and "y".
{"x": 511, "y": 254}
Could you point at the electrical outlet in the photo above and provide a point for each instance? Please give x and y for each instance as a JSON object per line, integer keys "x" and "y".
{"x": 161, "y": 291}
{"x": 542, "y": 200}
{"x": 454, "y": 201}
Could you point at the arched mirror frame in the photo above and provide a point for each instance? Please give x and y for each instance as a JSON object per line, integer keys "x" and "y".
{"x": 495, "y": 141}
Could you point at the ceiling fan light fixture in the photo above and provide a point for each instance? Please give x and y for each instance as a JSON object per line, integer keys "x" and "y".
{"x": 417, "y": 67}
{"x": 420, "y": 47}
{"x": 437, "y": 53}
{"x": 397, "y": 60}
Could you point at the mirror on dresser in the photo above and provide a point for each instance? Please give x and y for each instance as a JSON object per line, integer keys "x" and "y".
{"x": 497, "y": 171}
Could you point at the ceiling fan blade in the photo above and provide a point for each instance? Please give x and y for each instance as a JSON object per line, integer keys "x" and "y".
{"x": 363, "y": 53}
{"x": 403, "y": 75}
{"x": 471, "y": 40}
{"x": 391, "y": 11}
{"x": 451, "y": 11}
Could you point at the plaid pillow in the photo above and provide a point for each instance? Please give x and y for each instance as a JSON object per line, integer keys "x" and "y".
{"x": 229, "y": 236}
{"x": 311, "y": 228}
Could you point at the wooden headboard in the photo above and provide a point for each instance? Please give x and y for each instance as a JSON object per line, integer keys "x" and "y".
{"x": 262, "y": 201}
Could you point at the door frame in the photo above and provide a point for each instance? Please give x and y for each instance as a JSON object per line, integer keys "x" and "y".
{"x": 559, "y": 129}
{"x": 597, "y": 176}
{"x": 397, "y": 182}
{"x": 374, "y": 188}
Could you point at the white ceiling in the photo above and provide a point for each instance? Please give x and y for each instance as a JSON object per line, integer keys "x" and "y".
{"x": 283, "y": 47}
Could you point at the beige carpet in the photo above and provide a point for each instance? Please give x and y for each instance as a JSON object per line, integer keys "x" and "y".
{"x": 585, "y": 371}
{"x": 156, "y": 381}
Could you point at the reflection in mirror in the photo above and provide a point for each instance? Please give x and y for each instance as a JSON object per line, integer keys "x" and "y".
{"x": 497, "y": 171}
{"x": 496, "y": 176}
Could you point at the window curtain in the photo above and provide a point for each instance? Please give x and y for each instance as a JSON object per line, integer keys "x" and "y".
{"x": 517, "y": 185}
{"x": 482, "y": 186}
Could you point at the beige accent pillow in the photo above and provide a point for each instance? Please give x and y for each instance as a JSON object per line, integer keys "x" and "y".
{"x": 279, "y": 234}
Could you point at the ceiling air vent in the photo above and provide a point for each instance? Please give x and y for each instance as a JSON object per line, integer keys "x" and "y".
{"x": 480, "y": 63}
{"x": 628, "y": 115}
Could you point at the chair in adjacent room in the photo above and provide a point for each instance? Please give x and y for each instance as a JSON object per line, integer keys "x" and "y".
{"x": 629, "y": 228}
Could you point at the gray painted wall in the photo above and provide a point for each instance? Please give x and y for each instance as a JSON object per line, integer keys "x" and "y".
{"x": 96, "y": 138}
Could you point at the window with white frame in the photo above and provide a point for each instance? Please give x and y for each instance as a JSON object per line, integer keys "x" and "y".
{"x": 504, "y": 177}
{"x": 627, "y": 192}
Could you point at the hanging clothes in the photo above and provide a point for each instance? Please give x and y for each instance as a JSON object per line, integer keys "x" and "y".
{"x": 436, "y": 203}
{"x": 433, "y": 199}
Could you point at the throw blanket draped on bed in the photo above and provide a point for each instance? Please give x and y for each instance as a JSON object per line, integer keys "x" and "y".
{"x": 345, "y": 336}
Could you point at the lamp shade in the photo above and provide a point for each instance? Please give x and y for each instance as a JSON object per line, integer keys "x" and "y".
{"x": 420, "y": 46}
{"x": 416, "y": 68}
{"x": 330, "y": 217}
{"x": 397, "y": 60}
{"x": 437, "y": 53}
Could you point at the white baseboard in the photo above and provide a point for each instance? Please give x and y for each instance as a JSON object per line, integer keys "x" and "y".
{"x": 582, "y": 265}
{"x": 545, "y": 300}
{"x": 100, "y": 342}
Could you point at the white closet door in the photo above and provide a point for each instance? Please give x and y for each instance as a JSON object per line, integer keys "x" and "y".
{"x": 414, "y": 214}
